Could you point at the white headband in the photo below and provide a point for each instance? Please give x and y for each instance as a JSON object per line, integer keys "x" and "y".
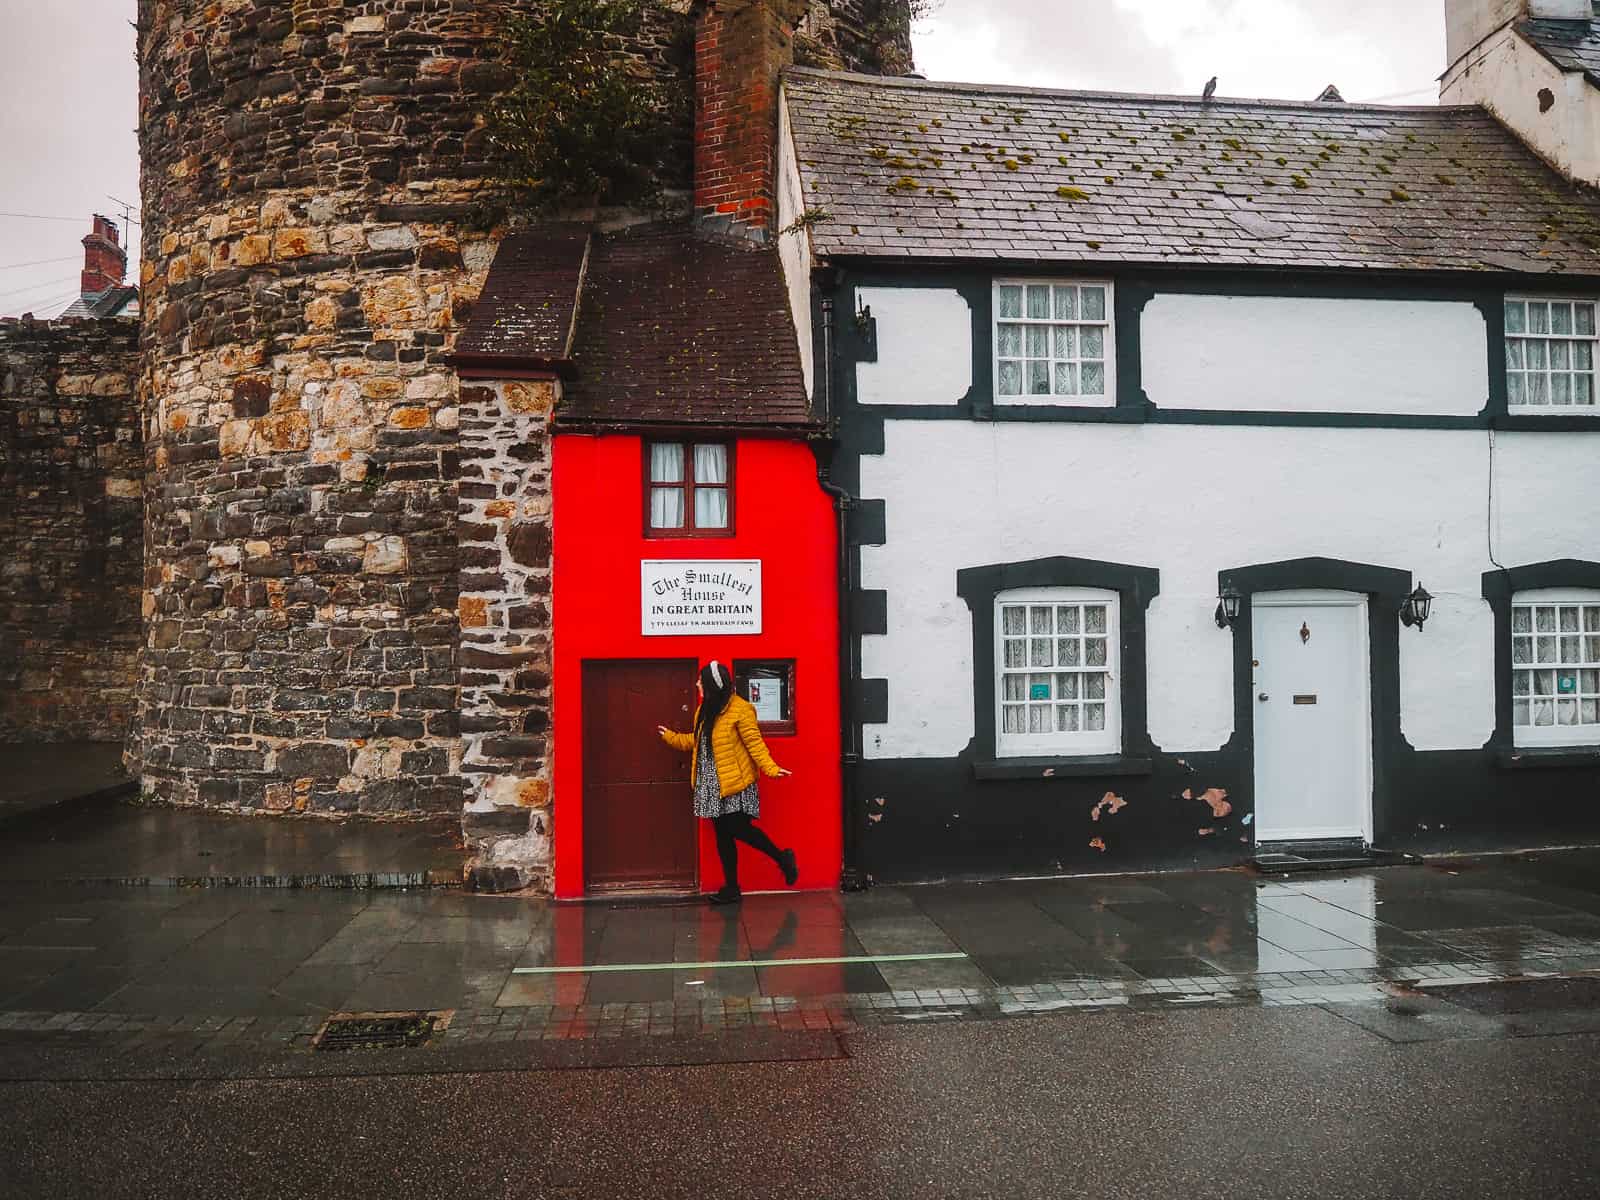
{"x": 716, "y": 672}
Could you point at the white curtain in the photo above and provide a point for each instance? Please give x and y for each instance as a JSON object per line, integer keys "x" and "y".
{"x": 711, "y": 508}
{"x": 710, "y": 464}
{"x": 666, "y": 463}
{"x": 711, "y": 490}
{"x": 666, "y": 508}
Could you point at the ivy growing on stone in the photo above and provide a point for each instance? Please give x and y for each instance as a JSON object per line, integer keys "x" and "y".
{"x": 886, "y": 25}
{"x": 581, "y": 123}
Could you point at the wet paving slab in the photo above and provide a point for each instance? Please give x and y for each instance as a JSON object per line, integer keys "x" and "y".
{"x": 38, "y": 779}
{"x": 183, "y": 848}
{"x": 270, "y": 966}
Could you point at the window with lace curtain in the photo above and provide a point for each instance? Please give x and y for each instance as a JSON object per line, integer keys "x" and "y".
{"x": 1551, "y": 346}
{"x": 1053, "y": 342}
{"x": 1056, "y": 658}
{"x": 1555, "y": 667}
{"x": 688, "y": 489}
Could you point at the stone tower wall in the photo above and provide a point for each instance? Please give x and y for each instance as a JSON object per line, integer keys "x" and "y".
{"x": 870, "y": 36}
{"x": 315, "y": 182}
{"x": 320, "y": 214}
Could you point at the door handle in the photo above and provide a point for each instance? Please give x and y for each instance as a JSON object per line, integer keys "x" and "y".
{"x": 1262, "y": 696}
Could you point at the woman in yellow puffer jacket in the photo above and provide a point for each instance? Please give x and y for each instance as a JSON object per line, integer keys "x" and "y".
{"x": 727, "y": 754}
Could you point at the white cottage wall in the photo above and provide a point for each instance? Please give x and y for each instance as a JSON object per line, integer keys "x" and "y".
{"x": 1190, "y": 501}
{"x": 924, "y": 347}
{"x": 794, "y": 244}
{"x": 1302, "y": 354}
{"x": 1468, "y": 22}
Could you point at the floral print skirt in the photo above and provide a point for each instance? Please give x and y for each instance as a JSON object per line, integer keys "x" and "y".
{"x": 709, "y": 802}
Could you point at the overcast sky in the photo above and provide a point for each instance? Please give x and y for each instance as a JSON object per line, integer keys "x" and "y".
{"x": 1287, "y": 49}
{"x": 68, "y": 108}
{"x": 67, "y": 114}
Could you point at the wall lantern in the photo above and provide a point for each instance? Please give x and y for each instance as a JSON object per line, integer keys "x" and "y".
{"x": 1416, "y": 608}
{"x": 1228, "y": 605}
{"x": 863, "y": 318}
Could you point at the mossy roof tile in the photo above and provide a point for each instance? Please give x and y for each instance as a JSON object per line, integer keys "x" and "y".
{"x": 1501, "y": 209}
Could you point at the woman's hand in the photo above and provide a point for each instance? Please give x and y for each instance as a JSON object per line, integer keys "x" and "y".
{"x": 663, "y": 730}
{"x": 783, "y": 771}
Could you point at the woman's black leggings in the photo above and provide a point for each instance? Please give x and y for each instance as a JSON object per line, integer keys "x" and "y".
{"x": 733, "y": 828}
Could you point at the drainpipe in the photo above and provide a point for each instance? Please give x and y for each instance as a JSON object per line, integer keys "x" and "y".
{"x": 853, "y": 878}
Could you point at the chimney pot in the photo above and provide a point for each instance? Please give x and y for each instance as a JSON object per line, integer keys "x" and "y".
{"x": 105, "y": 262}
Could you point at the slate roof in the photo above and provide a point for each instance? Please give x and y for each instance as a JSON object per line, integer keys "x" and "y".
{"x": 905, "y": 168}
{"x": 525, "y": 309}
{"x": 1571, "y": 45}
{"x": 113, "y": 302}
{"x": 677, "y": 327}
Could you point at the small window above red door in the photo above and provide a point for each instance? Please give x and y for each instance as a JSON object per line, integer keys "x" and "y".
{"x": 688, "y": 489}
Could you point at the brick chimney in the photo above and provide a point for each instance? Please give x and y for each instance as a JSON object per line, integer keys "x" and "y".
{"x": 105, "y": 262}
{"x": 741, "y": 47}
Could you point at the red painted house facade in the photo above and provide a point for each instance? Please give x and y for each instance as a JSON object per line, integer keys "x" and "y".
{"x": 622, "y": 812}
{"x": 689, "y": 524}
{"x": 641, "y": 395}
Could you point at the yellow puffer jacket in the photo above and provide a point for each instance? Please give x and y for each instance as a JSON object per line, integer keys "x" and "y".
{"x": 736, "y": 746}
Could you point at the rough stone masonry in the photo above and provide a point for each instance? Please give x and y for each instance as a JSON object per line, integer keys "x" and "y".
{"x": 331, "y": 593}
{"x": 315, "y": 183}
{"x": 71, "y": 463}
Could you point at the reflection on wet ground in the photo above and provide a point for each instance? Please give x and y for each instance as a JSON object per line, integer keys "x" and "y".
{"x": 281, "y": 959}
{"x": 37, "y": 777}
{"x": 188, "y": 847}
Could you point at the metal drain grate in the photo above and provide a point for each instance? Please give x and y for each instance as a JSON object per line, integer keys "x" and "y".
{"x": 379, "y": 1031}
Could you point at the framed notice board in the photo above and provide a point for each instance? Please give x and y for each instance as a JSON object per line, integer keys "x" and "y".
{"x": 769, "y": 685}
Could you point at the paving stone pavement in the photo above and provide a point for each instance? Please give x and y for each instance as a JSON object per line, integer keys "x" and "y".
{"x": 184, "y": 971}
{"x": 41, "y": 776}
{"x": 152, "y": 846}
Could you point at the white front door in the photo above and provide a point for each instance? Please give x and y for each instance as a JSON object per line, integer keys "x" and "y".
{"x": 1313, "y": 726}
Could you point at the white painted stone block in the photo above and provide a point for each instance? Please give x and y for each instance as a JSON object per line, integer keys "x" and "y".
{"x": 1302, "y": 354}
{"x": 924, "y": 346}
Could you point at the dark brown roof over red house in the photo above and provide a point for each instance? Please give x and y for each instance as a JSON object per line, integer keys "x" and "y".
{"x": 673, "y": 327}
{"x": 525, "y": 312}
{"x": 680, "y": 327}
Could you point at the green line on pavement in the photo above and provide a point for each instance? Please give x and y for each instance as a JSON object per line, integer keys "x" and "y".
{"x": 597, "y": 968}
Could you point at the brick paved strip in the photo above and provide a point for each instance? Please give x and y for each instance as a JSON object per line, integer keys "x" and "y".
{"x": 603, "y": 968}
{"x": 95, "y": 1043}
{"x": 359, "y": 881}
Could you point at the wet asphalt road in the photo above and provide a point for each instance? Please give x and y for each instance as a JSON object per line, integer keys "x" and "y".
{"x": 1238, "y": 1102}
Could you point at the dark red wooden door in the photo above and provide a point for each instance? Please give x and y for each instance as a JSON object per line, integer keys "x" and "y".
{"x": 638, "y": 819}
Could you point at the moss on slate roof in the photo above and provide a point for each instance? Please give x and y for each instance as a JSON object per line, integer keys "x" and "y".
{"x": 1020, "y": 173}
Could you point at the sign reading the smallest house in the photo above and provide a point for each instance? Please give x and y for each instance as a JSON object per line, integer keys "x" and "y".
{"x": 683, "y": 596}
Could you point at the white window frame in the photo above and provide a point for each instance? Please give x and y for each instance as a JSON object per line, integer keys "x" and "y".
{"x": 1518, "y": 377}
{"x": 1065, "y": 743}
{"x": 1109, "y": 398}
{"x": 1533, "y": 736}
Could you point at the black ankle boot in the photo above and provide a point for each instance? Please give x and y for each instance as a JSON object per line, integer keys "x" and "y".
{"x": 791, "y": 870}
{"x": 725, "y": 896}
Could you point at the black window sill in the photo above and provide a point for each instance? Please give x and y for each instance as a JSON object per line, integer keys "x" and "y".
{"x": 1546, "y": 758}
{"x": 1557, "y": 419}
{"x": 1085, "y": 767}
